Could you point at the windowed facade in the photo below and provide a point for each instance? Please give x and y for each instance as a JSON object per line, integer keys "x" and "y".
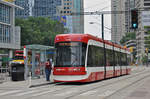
{"x": 36, "y": 8}
{"x": 4, "y": 23}
{"x": 9, "y": 35}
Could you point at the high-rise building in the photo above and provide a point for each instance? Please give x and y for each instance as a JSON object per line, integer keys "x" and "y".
{"x": 142, "y": 31}
{"x": 117, "y": 20}
{"x": 75, "y": 23}
{"x": 78, "y": 20}
{"x": 129, "y": 5}
{"x": 36, "y": 8}
{"x": 9, "y": 34}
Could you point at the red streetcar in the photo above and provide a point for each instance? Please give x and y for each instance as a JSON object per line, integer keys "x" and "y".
{"x": 80, "y": 58}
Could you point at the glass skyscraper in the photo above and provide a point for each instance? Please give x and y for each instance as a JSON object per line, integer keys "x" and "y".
{"x": 36, "y": 8}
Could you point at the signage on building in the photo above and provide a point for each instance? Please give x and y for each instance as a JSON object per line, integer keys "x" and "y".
{"x": 146, "y": 18}
{"x": 62, "y": 20}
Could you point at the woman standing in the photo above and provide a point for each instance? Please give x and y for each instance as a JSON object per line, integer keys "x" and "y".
{"x": 48, "y": 67}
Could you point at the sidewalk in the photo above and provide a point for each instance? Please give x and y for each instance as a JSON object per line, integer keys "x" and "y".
{"x": 27, "y": 83}
{"x": 42, "y": 81}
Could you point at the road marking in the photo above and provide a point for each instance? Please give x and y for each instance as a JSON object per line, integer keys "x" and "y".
{"x": 39, "y": 94}
{"x": 66, "y": 93}
{"x": 88, "y": 93}
{"x": 9, "y": 92}
{"x": 106, "y": 93}
{"x": 25, "y": 93}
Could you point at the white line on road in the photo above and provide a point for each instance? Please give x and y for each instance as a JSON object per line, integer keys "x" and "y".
{"x": 66, "y": 93}
{"x": 88, "y": 93}
{"x": 25, "y": 93}
{"x": 39, "y": 94}
{"x": 106, "y": 93}
{"x": 9, "y": 92}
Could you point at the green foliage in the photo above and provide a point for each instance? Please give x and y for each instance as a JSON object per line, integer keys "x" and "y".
{"x": 39, "y": 30}
{"x": 127, "y": 37}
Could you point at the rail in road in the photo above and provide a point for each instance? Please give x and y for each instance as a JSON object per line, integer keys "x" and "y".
{"x": 75, "y": 90}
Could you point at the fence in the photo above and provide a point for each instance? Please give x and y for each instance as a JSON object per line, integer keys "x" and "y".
{"x": 4, "y": 74}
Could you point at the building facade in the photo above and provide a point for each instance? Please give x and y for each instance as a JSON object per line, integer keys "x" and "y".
{"x": 117, "y": 20}
{"x": 78, "y": 20}
{"x": 141, "y": 32}
{"x": 36, "y": 8}
{"x": 9, "y": 34}
{"x": 129, "y": 5}
{"x": 75, "y": 23}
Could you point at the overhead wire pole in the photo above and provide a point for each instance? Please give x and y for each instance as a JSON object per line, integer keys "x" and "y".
{"x": 102, "y": 16}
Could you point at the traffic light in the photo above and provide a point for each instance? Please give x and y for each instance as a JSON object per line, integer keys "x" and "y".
{"x": 134, "y": 19}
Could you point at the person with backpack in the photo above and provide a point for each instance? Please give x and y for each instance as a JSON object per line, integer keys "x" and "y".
{"x": 48, "y": 67}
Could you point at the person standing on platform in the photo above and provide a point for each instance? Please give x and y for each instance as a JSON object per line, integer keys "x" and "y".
{"x": 48, "y": 67}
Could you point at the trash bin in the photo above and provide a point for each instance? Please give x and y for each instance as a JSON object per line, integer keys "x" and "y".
{"x": 17, "y": 72}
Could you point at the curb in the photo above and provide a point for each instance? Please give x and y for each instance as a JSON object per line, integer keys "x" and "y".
{"x": 38, "y": 85}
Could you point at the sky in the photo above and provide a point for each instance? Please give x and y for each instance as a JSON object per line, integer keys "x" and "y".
{"x": 95, "y": 29}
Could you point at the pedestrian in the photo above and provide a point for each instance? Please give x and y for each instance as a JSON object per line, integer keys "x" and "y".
{"x": 48, "y": 67}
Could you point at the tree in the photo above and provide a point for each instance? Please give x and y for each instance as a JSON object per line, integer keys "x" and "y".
{"x": 39, "y": 30}
{"x": 127, "y": 37}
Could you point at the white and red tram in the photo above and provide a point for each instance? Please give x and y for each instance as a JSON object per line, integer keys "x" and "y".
{"x": 80, "y": 58}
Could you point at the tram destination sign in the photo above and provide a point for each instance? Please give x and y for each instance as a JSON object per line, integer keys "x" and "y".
{"x": 69, "y": 44}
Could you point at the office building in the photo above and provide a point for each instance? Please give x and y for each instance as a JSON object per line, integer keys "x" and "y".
{"x": 75, "y": 23}
{"x": 117, "y": 20}
{"x": 37, "y": 8}
{"x": 9, "y": 34}
{"x": 142, "y": 32}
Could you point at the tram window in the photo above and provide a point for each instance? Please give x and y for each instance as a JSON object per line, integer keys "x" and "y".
{"x": 128, "y": 59}
{"x": 70, "y": 54}
{"x": 109, "y": 57}
{"x": 95, "y": 56}
{"x": 123, "y": 58}
{"x": 117, "y": 58}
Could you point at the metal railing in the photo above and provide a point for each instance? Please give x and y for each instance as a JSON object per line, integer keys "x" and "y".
{"x": 4, "y": 74}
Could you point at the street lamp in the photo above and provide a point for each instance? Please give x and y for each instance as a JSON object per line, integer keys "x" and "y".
{"x": 100, "y": 24}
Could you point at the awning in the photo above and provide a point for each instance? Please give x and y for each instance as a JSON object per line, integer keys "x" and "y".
{"x": 39, "y": 47}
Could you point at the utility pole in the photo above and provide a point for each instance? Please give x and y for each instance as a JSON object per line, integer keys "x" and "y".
{"x": 102, "y": 16}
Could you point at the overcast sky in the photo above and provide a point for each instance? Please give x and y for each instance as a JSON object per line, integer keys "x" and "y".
{"x": 95, "y": 29}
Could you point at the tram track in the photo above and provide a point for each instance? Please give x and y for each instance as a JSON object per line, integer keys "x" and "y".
{"x": 127, "y": 86}
{"x": 88, "y": 84}
{"x": 114, "y": 82}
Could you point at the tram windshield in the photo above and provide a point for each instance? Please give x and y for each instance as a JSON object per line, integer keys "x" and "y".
{"x": 70, "y": 54}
